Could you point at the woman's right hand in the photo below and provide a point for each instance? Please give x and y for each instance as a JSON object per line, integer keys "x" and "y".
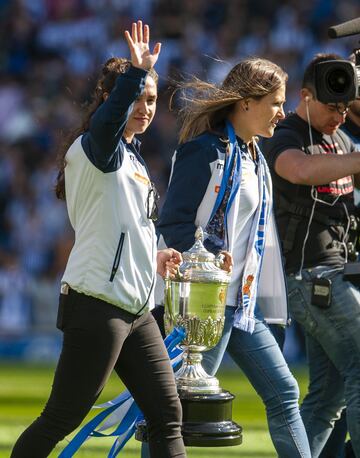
{"x": 168, "y": 261}
{"x": 138, "y": 42}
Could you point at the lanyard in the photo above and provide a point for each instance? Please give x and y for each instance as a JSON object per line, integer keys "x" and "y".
{"x": 228, "y": 167}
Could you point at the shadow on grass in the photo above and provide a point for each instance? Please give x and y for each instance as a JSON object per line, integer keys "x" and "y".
{"x": 192, "y": 452}
{"x": 133, "y": 450}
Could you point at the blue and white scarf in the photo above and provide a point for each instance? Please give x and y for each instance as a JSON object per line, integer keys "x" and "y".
{"x": 217, "y": 227}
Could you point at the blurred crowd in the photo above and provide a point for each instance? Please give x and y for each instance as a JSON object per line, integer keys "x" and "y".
{"x": 50, "y": 55}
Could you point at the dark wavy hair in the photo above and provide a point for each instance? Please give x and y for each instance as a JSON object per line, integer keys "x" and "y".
{"x": 112, "y": 68}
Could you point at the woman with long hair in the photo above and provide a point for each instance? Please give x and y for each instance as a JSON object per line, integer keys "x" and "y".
{"x": 107, "y": 286}
{"x": 220, "y": 181}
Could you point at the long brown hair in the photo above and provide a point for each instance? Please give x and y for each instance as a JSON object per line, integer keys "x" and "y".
{"x": 206, "y": 104}
{"x": 112, "y": 68}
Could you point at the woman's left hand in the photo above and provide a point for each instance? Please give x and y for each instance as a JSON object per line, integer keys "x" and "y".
{"x": 168, "y": 261}
{"x": 227, "y": 263}
{"x": 138, "y": 43}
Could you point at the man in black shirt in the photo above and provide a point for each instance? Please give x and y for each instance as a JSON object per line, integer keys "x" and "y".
{"x": 315, "y": 168}
{"x": 351, "y": 127}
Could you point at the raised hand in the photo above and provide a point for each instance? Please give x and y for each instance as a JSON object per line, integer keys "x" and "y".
{"x": 138, "y": 42}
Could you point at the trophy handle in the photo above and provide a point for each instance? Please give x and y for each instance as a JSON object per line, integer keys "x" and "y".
{"x": 169, "y": 317}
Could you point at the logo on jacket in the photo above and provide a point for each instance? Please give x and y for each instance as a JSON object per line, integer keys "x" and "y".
{"x": 141, "y": 178}
{"x": 247, "y": 286}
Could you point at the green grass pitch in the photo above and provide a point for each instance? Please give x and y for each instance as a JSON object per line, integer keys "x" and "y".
{"x": 25, "y": 388}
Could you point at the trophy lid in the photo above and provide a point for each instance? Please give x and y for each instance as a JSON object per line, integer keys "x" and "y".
{"x": 200, "y": 265}
{"x": 198, "y": 253}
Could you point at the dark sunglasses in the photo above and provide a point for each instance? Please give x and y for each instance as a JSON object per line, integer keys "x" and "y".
{"x": 152, "y": 203}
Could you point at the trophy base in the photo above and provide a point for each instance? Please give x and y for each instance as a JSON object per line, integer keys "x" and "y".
{"x": 206, "y": 420}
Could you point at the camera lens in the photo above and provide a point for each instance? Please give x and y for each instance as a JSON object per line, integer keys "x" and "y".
{"x": 338, "y": 81}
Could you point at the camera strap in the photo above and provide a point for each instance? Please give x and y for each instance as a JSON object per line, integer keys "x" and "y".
{"x": 299, "y": 213}
{"x": 304, "y": 212}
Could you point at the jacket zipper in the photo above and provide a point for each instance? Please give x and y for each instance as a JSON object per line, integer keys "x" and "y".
{"x": 151, "y": 287}
{"x": 117, "y": 256}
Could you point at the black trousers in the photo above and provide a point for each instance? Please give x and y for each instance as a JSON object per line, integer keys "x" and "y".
{"x": 99, "y": 337}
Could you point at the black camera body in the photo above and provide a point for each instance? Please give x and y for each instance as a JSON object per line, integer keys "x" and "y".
{"x": 337, "y": 81}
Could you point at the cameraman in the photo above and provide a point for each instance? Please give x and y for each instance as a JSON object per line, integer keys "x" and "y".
{"x": 351, "y": 127}
{"x": 314, "y": 170}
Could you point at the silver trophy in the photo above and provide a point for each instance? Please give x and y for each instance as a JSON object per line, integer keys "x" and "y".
{"x": 195, "y": 300}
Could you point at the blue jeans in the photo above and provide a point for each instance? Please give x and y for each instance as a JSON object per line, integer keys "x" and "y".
{"x": 333, "y": 350}
{"x": 260, "y": 358}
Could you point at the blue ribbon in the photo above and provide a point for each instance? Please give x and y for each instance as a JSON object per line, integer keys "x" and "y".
{"x": 133, "y": 415}
{"x": 229, "y": 162}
